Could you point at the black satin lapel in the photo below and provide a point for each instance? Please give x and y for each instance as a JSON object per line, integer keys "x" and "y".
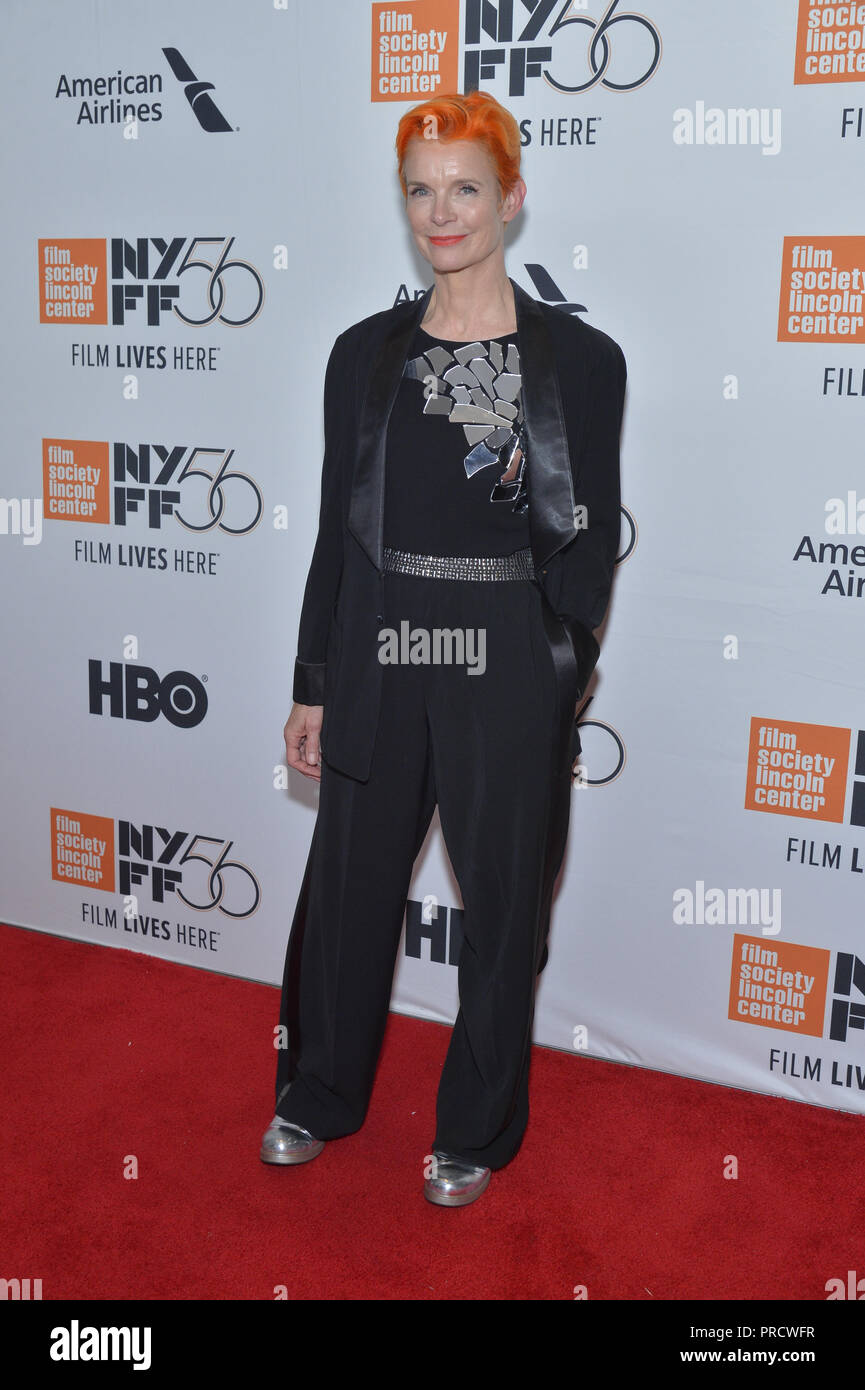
{"x": 551, "y": 484}
{"x": 367, "y": 493}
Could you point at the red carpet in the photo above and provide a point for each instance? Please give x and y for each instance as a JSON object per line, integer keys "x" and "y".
{"x": 618, "y": 1185}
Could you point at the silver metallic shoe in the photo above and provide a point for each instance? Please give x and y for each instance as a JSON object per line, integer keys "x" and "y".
{"x": 287, "y": 1143}
{"x": 455, "y": 1183}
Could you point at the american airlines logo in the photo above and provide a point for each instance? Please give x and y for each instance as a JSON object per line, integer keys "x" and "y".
{"x": 197, "y": 93}
{"x": 127, "y": 98}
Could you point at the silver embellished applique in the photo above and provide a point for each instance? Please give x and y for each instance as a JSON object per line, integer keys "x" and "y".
{"x": 478, "y": 387}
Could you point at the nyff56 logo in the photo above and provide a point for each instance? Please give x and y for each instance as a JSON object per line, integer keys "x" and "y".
{"x": 86, "y": 280}
{"x": 90, "y": 851}
{"x": 572, "y": 52}
{"x": 91, "y": 480}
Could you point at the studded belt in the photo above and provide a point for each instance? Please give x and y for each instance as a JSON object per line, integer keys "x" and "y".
{"x": 519, "y": 565}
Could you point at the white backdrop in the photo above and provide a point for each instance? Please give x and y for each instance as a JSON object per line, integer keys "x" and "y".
{"x": 150, "y": 628}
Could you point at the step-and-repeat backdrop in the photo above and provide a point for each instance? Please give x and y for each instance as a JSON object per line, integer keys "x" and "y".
{"x": 200, "y": 196}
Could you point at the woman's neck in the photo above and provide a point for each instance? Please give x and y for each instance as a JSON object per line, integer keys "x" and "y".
{"x": 462, "y": 309}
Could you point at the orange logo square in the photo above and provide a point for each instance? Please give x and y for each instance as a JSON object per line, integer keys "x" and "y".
{"x": 822, "y": 290}
{"x": 73, "y": 280}
{"x": 797, "y": 769}
{"x": 415, "y": 49}
{"x": 779, "y": 986}
{"x": 75, "y": 483}
{"x": 82, "y": 849}
{"x": 830, "y": 42}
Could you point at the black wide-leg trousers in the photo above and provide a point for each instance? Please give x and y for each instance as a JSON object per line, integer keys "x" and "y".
{"x": 492, "y": 751}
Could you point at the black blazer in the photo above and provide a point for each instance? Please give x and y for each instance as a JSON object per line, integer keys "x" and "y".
{"x": 573, "y": 386}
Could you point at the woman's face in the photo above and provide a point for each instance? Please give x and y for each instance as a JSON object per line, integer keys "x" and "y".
{"x": 454, "y": 204}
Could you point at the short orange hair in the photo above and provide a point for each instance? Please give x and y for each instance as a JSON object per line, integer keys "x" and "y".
{"x": 475, "y": 116}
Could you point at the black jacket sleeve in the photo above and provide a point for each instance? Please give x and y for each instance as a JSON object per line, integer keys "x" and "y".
{"x": 587, "y": 564}
{"x": 325, "y": 570}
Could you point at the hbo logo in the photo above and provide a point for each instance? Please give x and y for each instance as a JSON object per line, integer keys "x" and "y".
{"x": 136, "y": 692}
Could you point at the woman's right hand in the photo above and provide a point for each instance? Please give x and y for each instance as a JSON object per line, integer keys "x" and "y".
{"x": 302, "y": 745}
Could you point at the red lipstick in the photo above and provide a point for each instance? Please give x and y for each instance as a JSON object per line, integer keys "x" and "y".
{"x": 446, "y": 240}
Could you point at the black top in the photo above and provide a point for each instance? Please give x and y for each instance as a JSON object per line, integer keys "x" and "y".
{"x": 452, "y": 434}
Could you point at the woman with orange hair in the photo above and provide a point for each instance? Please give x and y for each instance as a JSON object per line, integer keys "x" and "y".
{"x": 468, "y": 532}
